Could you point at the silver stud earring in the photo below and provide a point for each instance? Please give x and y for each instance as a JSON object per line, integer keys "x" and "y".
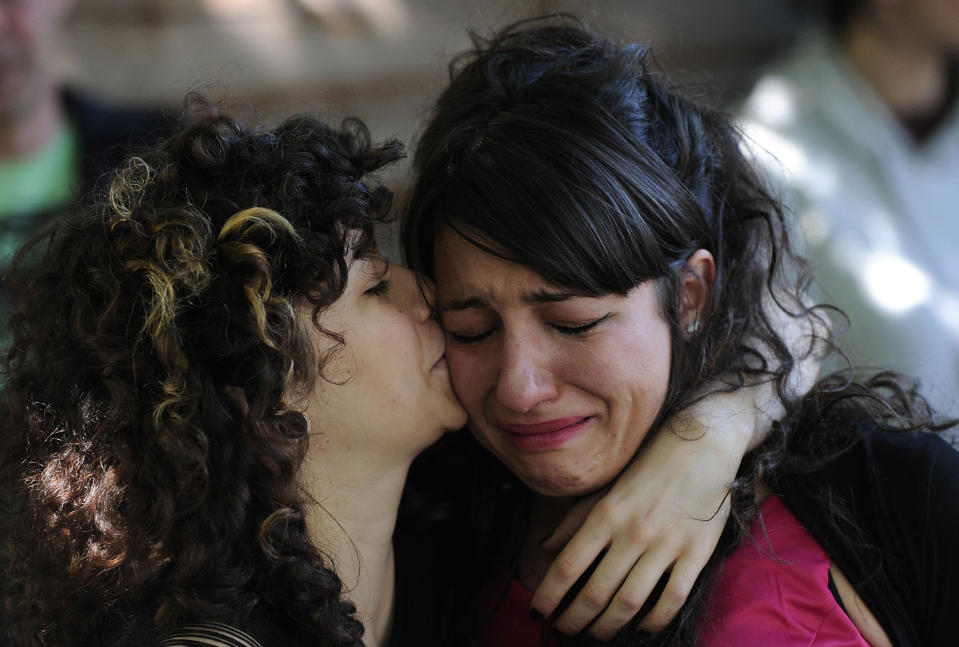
{"x": 692, "y": 327}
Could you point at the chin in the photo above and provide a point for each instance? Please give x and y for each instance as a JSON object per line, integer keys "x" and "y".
{"x": 452, "y": 418}
{"x": 455, "y": 417}
{"x": 459, "y": 420}
{"x": 424, "y": 438}
{"x": 557, "y": 482}
{"x": 561, "y": 491}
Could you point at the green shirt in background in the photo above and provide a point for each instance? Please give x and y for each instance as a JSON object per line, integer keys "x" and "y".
{"x": 38, "y": 184}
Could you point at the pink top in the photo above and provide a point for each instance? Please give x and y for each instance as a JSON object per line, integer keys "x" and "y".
{"x": 511, "y": 625}
{"x": 774, "y": 590}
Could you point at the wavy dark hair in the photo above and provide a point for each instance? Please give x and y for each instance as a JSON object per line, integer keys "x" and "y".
{"x": 573, "y": 156}
{"x": 154, "y": 337}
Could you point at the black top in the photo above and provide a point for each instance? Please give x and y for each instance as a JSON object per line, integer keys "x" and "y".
{"x": 136, "y": 629}
{"x": 418, "y": 595}
{"x": 902, "y": 554}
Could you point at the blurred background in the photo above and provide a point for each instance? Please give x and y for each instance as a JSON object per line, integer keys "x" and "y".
{"x": 859, "y": 128}
{"x": 380, "y": 59}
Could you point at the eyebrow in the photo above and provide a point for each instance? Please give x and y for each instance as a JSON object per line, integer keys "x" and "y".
{"x": 380, "y": 264}
{"x": 535, "y": 297}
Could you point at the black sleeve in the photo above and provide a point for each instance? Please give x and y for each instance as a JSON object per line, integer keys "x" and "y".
{"x": 887, "y": 513}
{"x": 918, "y": 478}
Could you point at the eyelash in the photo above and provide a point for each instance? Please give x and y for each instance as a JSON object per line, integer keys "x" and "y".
{"x": 469, "y": 339}
{"x": 572, "y": 331}
{"x": 382, "y": 287}
{"x": 579, "y": 330}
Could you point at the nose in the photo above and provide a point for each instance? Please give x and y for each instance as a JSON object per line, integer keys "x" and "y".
{"x": 525, "y": 378}
{"x": 417, "y": 293}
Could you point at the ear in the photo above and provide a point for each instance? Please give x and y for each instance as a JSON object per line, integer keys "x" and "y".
{"x": 698, "y": 275}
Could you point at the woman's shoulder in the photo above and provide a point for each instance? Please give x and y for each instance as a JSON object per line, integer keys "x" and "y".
{"x": 774, "y": 588}
{"x": 901, "y": 462}
{"x": 882, "y": 480}
{"x": 885, "y": 507}
{"x": 850, "y": 444}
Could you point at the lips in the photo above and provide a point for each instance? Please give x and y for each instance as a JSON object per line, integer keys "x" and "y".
{"x": 541, "y": 427}
{"x": 542, "y": 436}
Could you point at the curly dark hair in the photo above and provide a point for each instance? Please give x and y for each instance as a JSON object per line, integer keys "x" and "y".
{"x": 154, "y": 337}
{"x": 573, "y": 156}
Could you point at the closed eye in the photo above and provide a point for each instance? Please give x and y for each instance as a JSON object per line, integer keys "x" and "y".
{"x": 581, "y": 328}
{"x": 380, "y": 288}
{"x": 469, "y": 339}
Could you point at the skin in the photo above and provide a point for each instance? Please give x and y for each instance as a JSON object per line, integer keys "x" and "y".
{"x": 646, "y": 535}
{"x": 665, "y": 513}
{"x": 30, "y": 111}
{"x": 858, "y": 612}
{"x": 386, "y": 397}
{"x": 560, "y": 387}
{"x": 667, "y": 509}
{"x": 518, "y": 359}
{"x": 359, "y": 457}
{"x": 600, "y": 364}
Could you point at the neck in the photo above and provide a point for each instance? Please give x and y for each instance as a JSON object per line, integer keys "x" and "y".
{"x": 908, "y": 73}
{"x": 356, "y": 501}
{"x": 27, "y": 131}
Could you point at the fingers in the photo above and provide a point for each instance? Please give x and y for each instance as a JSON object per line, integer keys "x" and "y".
{"x": 688, "y": 565}
{"x": 616, "y": 592}
{"x": 681, "y": 566}
{"x": 632, "y": 580}
{"x": 581, "y": 551}
{"x": 664, "y": 514}
{"x": 681, "y": 581}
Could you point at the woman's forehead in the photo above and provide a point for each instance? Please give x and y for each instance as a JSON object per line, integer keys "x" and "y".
{"x": 467, "y": 276}
{"x": 367, "y": 266}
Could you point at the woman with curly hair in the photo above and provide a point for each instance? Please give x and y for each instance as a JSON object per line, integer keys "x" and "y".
{"x": 214, "y": 392}
{"x": 604, "y": 256}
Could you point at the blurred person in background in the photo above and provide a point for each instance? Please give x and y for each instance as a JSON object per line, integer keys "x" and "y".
{"x": 54, "y": 141}
{"x": 859, "y": 124}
